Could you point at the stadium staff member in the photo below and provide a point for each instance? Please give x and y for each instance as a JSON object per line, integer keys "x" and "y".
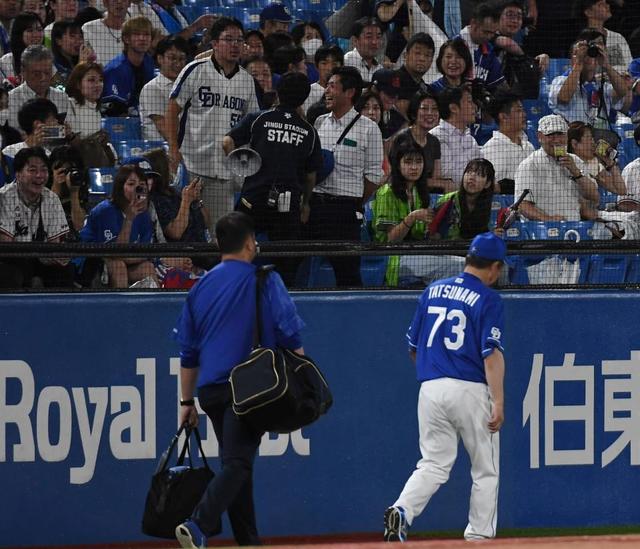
{"x": 455, "y": 341}
{"x": 213, "y": 95}
{"x": 275, "y": 196}
{"x": 336, "y": 203}
{"x": 215, "y": 332}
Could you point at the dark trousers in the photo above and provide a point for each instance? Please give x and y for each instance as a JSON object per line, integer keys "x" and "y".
{"x": 230, "y": 490}
{"x": 275, "y": 225}
{"x": 336, "y": 218}
{"x": 18, "y": 273}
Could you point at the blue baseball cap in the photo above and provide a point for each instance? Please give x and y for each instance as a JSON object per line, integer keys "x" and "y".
{"x": 275, "y": 12}
{"x": 488, "y": 246}
{"x": 139, "y": 161}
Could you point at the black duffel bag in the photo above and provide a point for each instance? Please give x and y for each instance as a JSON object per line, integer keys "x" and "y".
{"x": 175, "y": 491}
{"x": 278, "y": 391}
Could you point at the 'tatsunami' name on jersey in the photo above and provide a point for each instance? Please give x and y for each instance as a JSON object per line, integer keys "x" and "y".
{"x": 456, "y": 293}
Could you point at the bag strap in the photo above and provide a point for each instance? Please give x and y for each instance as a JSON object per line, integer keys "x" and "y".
{"x": 261, "y": 276}
{"x": 186, "y": 448}
{"x": 162, "y": 465}
{"x": 348, "y": 129}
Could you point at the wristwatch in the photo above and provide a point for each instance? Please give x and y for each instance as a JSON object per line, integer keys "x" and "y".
{"x": 188, "y": 402}
{"x": 576, "y": 177}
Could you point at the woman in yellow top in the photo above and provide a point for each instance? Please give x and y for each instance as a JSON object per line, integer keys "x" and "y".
{"x": 401, "y": 207}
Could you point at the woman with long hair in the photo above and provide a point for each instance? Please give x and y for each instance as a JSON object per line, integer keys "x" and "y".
{"x": 123, "y": 218}
{"x": 455, "y": 63}
{"x": 401, "y": 207}
{"x": 466, "y": 212}
{"x": 26, "y": 31}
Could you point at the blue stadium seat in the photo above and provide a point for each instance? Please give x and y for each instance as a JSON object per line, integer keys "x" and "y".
{"x": 607, "y": 269}
{"x": 135, "y": 147}
{"x": 633, "y": 272}
{"x": 373, "y": 269}
{"x": 242, "y": 3}
{"x": 122, "y": 128}
{"x": 577, "y": 230}
{"x": 628, "y": 151}
{"x": 249, "y": 17}
{"x": 557, "y": 67}
{"x": 517, "y": 231}
{"x": 606, "y": 198}
{"x": 321, "y": 273}
{"x": 545, "y": 230}
{"x": 532, "y": 133}
{"x": 535, "y": 109}
{"x": 310, "y": 14}
{"x": 100, "y": 183}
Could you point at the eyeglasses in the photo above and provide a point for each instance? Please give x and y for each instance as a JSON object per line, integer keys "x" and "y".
{"x": 513, "y": 14}
{"x": 230, "y": 40}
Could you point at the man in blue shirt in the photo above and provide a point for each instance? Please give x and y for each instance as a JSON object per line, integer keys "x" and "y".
{"x": 126, "y": 74}
{"x": 215, "y": 332}
{"x": 455, "y": 341}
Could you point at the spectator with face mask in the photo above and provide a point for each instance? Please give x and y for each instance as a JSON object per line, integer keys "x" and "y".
{"x": 310, "y": 37}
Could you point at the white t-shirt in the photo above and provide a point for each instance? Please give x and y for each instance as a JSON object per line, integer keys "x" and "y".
{"x": 618, "y": 51}
{"x": 142, "y": 9}
{"x": 354, "y": 59}
{"x": 20, "y": 95}
{"x": 631, "y": 176}
{"x": 212, "y": 104}
{"x": 6, "y": 66}
{"x": 456, "y": 150}
{"x": 505, "y": 155}
{"x": 154, "y": 100}
{"x": 552, "y": 189}
{"x": 21, "y": 222}
{"x": 105, "y": 41}
{"x": 83, "y": 119}
{"x": 315, "y": 94}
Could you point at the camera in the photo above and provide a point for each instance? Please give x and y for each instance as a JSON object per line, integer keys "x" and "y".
{"x": 592, "y": 49}
{"x": 481, "y": 95}
{"x": 141, "y": 192}
{"x": 76, "y": 179}
{"x": 53, "y": 132}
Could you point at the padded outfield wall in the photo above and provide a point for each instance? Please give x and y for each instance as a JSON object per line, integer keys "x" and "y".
{"x": 88, "y": 402}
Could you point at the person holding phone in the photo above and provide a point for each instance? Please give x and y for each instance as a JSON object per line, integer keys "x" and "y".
{"x": 558, "y": 181}
{"x": 599, "y": 158}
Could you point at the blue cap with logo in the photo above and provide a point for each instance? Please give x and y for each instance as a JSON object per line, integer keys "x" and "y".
{"x": 488, "y": 246}
{"x": 275, "y": 12}
{"x": 139, "y": 161}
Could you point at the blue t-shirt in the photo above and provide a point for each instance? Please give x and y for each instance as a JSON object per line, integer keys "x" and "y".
{"x": 215, "y": 329}
{"x": 458, "y": 323}
{"x": 104, "y": 223}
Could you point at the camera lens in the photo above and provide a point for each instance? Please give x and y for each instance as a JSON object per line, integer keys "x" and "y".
{"x": 141, "y": 189}
{"x": 592, "y": 49}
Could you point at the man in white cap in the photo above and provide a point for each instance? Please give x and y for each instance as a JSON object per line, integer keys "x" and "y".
{"x": 557, "y": 179}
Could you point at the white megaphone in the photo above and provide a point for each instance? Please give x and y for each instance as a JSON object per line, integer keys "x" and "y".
{"x": 244, "y": 162}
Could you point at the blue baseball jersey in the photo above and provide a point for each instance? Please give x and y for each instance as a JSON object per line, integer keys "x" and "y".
{"x": 215, "y": 329}
{"x": 458, "y": 323}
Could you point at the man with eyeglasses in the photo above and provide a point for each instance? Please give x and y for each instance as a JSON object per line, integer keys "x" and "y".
{"x": 478, "y": 34}
{"x": 209, "y": 97}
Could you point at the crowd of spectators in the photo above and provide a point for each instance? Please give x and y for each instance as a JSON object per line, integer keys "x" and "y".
{"x": 409, "y": 124}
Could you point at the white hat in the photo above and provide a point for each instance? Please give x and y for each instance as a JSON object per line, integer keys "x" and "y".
{"x": 552, "y": 123}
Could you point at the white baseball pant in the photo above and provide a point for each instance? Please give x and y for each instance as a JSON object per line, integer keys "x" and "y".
{"x": 447, "y": 410}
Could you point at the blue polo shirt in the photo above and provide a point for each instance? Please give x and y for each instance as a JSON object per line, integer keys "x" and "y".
{"x": 104, "y": 223}
{"x": 458, "y": 323}
{"x": 120, "y": 80}
{"x": 215, "y": 329}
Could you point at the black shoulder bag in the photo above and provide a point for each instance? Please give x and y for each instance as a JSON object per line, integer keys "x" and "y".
{"x": 175, "y": 491}
{"x": 278, "y": 391}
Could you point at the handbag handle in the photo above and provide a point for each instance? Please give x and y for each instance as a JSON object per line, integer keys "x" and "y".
{"x": 186, "y": 448}
{"x": 162, "y": 464}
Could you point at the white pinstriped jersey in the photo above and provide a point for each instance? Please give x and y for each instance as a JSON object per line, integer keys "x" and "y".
{"x": 211, "y": 104}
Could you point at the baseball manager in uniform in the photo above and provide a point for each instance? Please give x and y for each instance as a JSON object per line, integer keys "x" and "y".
{"x": 455, "y": 341}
